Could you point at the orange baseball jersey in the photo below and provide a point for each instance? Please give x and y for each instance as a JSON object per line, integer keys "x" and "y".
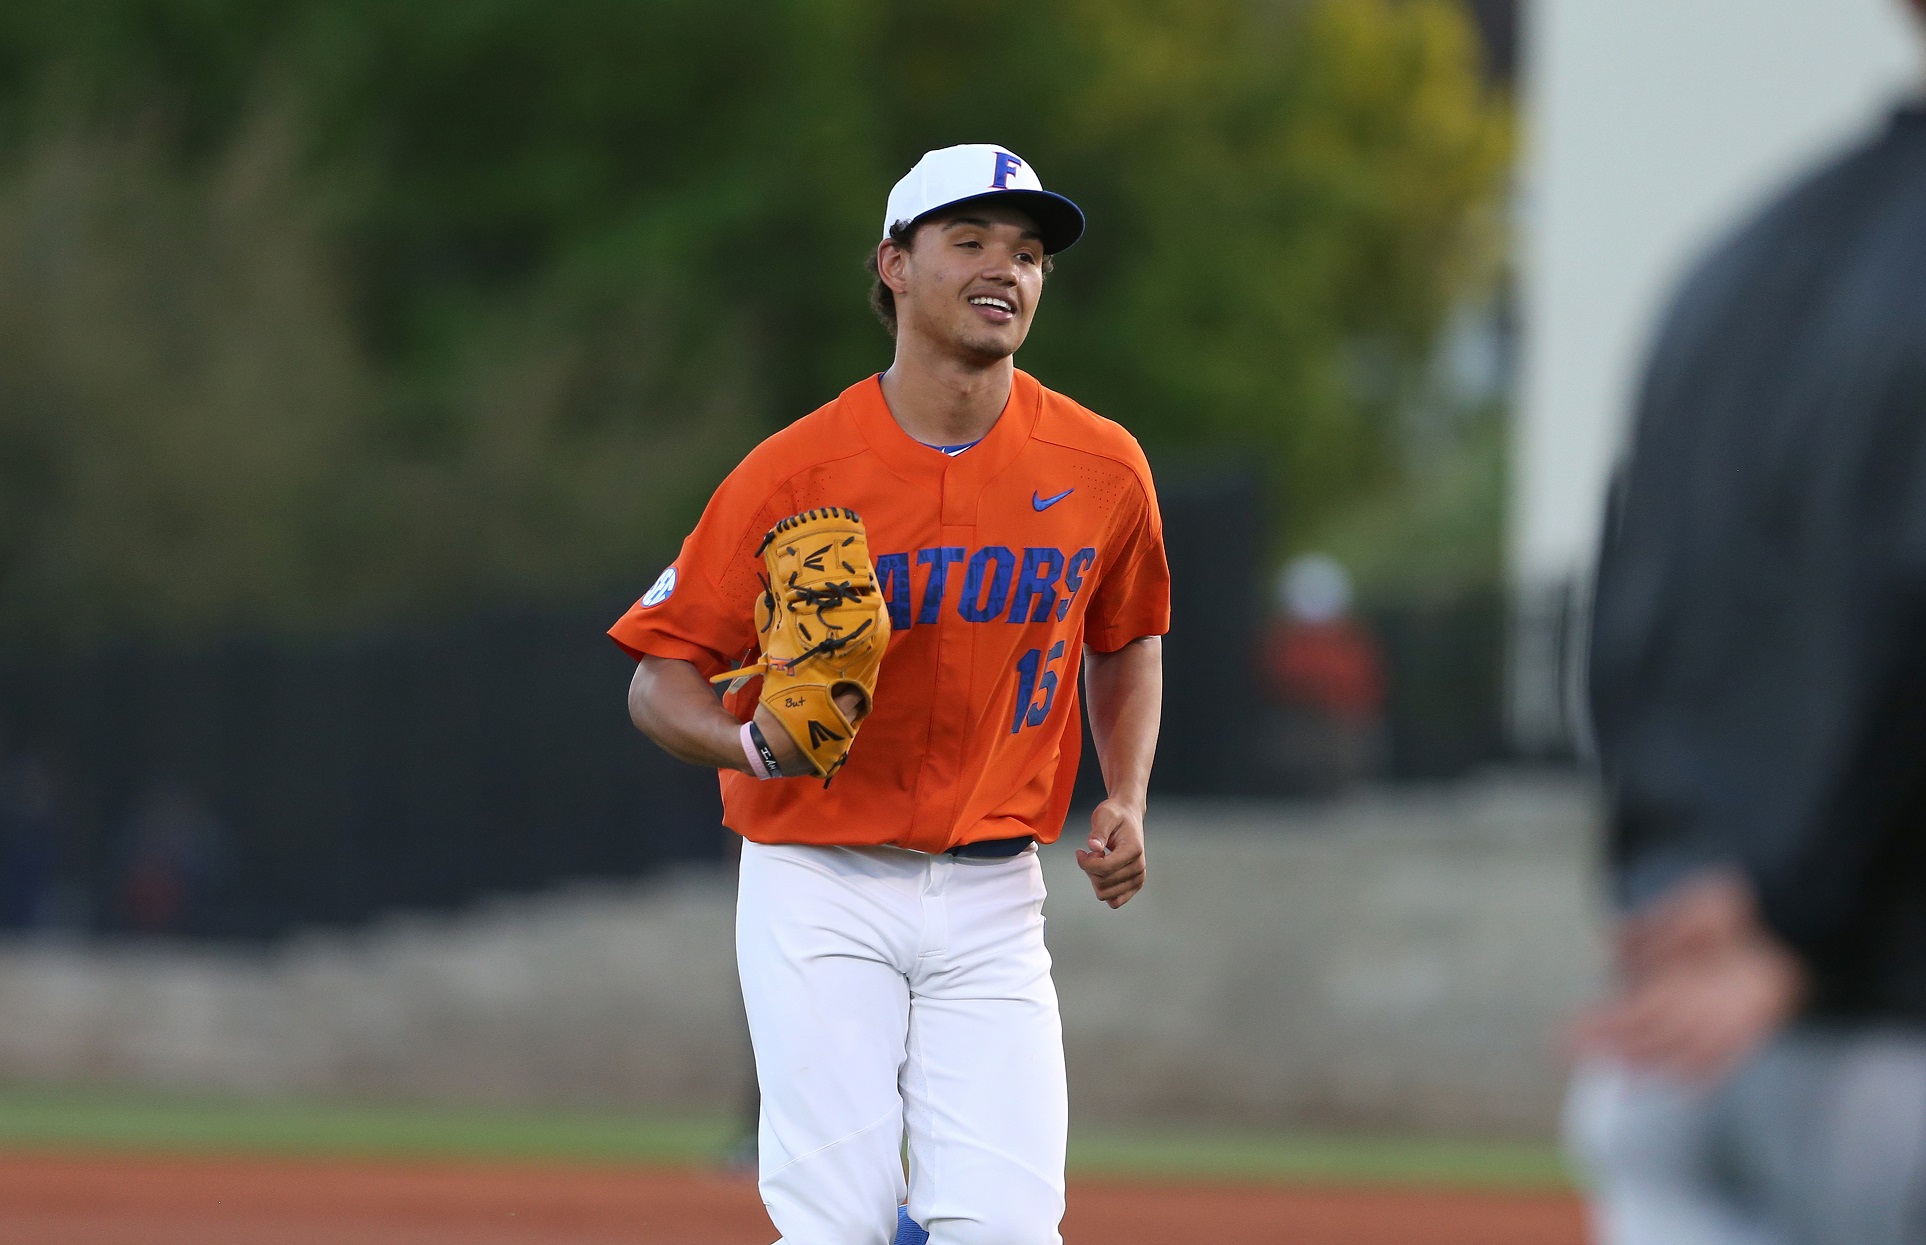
{"x": 998, "y": 565}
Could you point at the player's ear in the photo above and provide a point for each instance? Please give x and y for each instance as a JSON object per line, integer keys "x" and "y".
{"x": 892, "y": 266}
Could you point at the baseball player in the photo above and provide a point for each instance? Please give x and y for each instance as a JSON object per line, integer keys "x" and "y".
{"x": 896, "y": 595}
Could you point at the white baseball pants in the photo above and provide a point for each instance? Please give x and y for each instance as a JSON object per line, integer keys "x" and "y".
{"x": 893, "y": 994}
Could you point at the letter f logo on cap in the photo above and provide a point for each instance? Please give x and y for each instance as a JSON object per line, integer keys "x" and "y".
{"x": 1006, "y": 164}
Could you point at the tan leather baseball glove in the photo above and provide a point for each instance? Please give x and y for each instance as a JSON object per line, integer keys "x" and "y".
{"x": 823, "y": 626}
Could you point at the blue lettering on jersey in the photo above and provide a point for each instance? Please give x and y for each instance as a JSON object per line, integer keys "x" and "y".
{"x": 1036, "y": 582}
{"x": 975, "y": 605}
{"x": 1073, "y": 578}
{"x": 1006, "y": 164}
{"x": 1039, "y": 588}
{"x": 893, "y": 580}
{"x": 938, "y": 560}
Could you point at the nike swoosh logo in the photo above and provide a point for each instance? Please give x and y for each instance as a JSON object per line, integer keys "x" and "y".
{"x": 1044, "y": 503}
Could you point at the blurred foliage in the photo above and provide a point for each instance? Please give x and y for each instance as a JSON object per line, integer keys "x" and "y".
{"x": 193, "y": 433}
{"x": 314, "y": 312}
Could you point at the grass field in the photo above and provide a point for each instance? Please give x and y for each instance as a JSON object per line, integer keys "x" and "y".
{"x": 43, "y": 1120}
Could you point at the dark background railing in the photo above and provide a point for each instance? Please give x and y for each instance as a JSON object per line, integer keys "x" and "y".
{"x": 409, "y": 770}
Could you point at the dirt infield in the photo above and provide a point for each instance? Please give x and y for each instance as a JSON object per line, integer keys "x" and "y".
{"x": 90, "y": 1200}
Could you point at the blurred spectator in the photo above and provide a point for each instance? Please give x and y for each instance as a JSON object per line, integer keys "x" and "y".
{"x": 1324, "y": 678}
{"x": 1758, "y": 677}
{"x": 174, "y": 851}
{"x": 32, "y": 834}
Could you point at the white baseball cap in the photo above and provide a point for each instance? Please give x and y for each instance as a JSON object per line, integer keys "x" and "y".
{"x": 976, "y": 171}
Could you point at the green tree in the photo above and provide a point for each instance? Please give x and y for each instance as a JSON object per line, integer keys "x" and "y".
{"x": 520, "y": 280}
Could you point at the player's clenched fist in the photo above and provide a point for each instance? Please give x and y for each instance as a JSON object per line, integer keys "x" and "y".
{"x": 1113, "y": 856}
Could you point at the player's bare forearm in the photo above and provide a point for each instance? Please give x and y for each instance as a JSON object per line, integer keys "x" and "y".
{"x": 1125, "y": 693}
{"x": 671, "y": 703}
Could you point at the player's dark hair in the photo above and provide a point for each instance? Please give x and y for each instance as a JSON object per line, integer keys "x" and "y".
{"x": 882, "y": 299}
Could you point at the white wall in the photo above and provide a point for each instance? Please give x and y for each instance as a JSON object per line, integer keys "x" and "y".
{"x": 1650, "y": 124}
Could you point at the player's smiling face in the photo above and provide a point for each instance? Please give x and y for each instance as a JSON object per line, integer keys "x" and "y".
{"x": 971, "y": 280}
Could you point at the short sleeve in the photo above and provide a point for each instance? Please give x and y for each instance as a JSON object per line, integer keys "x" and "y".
{"x": 1132, "y": 599}
{"x": 702, "y": 608}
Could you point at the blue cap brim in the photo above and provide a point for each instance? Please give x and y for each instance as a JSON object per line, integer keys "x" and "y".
{"x": 1059, "y": 221}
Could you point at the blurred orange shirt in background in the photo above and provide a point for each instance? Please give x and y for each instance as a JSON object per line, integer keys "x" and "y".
{"x": 1333, "y": 666}
{"x": 998, "y": 564}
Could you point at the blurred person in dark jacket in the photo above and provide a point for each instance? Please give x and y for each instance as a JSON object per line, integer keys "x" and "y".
{"x": 1758, "y": 680}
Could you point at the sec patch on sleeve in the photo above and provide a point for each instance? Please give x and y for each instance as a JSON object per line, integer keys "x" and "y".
{"x": 661, "y": 590}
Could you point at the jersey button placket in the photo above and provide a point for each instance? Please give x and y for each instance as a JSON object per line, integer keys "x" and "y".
{"x": 938, "y": 783}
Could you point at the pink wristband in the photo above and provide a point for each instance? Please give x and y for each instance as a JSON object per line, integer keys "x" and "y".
{"x": 754, "y": 754}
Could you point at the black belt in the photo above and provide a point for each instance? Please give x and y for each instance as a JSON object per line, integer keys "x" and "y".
{"x": 994, "y": 849}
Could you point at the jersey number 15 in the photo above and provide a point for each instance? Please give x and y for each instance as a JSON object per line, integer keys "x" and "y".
{"x": 1029, "y": 710}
